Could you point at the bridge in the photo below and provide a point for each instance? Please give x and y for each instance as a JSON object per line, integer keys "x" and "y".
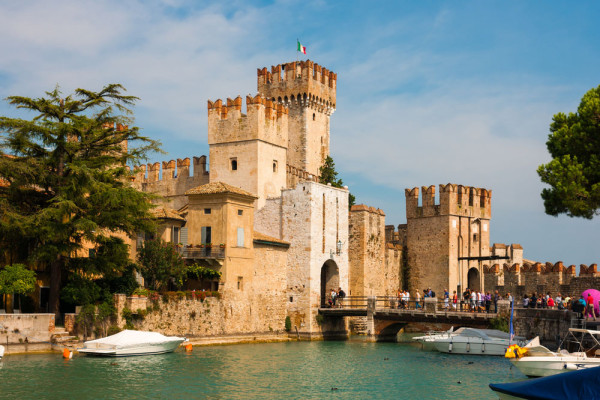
{"x": 386, "y": 316}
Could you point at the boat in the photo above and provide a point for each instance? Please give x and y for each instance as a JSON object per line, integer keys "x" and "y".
{"x": 582, "y": 384}
{"x": 427, "y": 341}
{"x": 537, "y": 360}
{"x": 131, "y": 343}
{"x": 489, "y": 342}
{"x": 1, "y": 352}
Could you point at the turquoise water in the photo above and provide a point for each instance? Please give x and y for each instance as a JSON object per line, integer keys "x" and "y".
{"x": 297, "y": 370}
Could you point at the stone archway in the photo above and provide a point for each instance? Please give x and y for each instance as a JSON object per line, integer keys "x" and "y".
{"x": 473, "y": 279}
{"x": 330, "y": 279}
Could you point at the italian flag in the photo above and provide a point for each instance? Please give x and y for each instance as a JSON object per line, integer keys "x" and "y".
{"x": 301, "y": 49}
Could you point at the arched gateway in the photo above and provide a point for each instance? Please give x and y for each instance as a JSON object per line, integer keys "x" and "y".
{"x": 330, "y": 279}
{"x": 473, "y": 279}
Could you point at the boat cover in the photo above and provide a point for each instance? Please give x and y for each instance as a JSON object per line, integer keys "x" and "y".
{"x": 581, "y": 384}
{"x": 129, "y": 338}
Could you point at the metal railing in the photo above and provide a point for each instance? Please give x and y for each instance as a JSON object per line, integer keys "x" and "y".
{"x": 393, "y": 303}
{"x": 202, "y": 252}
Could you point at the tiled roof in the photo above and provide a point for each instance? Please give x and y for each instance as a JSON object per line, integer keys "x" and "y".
{"x": 217, "y": 188}
{"x": 166, "y": 213}
{"x": 257, "y": 236}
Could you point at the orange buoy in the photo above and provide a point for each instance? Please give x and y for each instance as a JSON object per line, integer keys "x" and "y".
{"x": 67, "y": 353}
{"x": 188, "y": 347}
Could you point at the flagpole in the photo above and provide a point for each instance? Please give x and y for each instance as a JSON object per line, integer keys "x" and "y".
{"x": 297, "y": 49}
{"x": 511, "y": 327}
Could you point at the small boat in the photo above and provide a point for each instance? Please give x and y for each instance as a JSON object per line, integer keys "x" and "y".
{"x": 1, "y": 352}
{"x": 131, "y": 343}
{"x": 489, "y": 342}
{"x": 537, "y": 360}
{"x": 574, "y": 385}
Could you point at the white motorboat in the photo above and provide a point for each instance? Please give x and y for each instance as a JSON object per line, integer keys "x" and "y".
{"x": 489, "y": 342}
{"x": 1, "y": 352}
{"x": 428, "y": 340}
{"x": 539, "y": 361}
{"x": 131, "y": 343}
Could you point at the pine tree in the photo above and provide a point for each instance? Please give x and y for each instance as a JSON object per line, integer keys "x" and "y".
{"x": 329, "y": 175}
{"x": 574, "y": 172}
{"x": 64, "y": 181}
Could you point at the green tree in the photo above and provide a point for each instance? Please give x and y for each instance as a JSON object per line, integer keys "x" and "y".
{"x": 160, "y": 263}
{"x": 16, "y": 279}
{"x": 67, "y": 178}
{"x": 329, "y": 175}
{"x": 574, "y": 172}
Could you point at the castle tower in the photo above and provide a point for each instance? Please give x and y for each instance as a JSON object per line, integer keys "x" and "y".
{"x": 442, "y": 237}
{"x": 309, "y": 92}
{"x": 249, "y": 150}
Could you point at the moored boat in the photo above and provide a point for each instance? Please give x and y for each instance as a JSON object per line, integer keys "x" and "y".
{"x": 536, "y": 360}
{"x": 131, "y": 343}
{"x": 1, "y": 352}
{"x": 428, "y": 340}
{"x": 475, "y": 341}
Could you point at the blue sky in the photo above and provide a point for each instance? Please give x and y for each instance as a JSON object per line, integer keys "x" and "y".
{"x": 429, "y": 92}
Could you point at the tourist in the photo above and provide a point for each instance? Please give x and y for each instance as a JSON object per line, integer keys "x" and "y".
{"x": 333, "y": 296}
{"x": 488, "y": 302}
{"x": 340, "y": 296}
{"x": 558, "y": 302}
{"x": 425, "y": 292}
{"x": 533, "y": 302}
{"x": 454, "y": 300}
{"x": 479, "y": 301}
{"x": 465, "y": 298}
{"x": 446, "y": 298}
{"x": 550, "y": 303}
{"x": 579, "y": 307}
{"x": 544, "y": 301}
{"x": 406, "y": 299}
{"x": 496, "y": 298}
{"x": 509, "y": 298}
{"x": 567, "y": 302}
{"x": 473, "y": 301}
{"x": 590, "y": 307}
{"x": 417, "y": 299}
{"x": 525, "y": 301}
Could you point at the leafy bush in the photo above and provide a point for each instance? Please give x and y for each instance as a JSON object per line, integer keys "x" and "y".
{"x": 161, "y": 263}
{"x": 16, "y": 279}
{"x": 199, "y": 272}
{"x": 80, "y": 291}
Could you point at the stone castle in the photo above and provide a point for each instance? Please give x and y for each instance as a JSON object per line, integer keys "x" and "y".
{"x": 286, "y": 240}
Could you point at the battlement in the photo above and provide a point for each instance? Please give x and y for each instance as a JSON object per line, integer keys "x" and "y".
{"x": 264, "y": 120}
{"x": 299, "y": 81}
{"x": 171, "y": 170}
{"x": 295, "y": 175}
{"x": 455, "y": 200}
{"x": 363, "y": 207}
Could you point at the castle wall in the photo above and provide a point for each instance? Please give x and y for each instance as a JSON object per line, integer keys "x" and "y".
{"x": 541, "y": 278}
{"x": 367, "y": 257}
{"x": 175, "y": 181}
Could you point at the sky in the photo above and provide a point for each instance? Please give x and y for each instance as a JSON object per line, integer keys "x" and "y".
{"x": 428, "y": 92}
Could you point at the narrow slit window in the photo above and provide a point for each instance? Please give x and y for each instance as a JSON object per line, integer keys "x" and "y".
{"x": 234, "y": 164}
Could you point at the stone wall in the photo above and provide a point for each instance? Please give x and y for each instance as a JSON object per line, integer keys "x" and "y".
{"x": 547, "y": 324}
{"x": 175, "y": 181}
{"x": 374, "y": 267}
{"x": 541, "y": 278}
{"x": 33, "y": 328}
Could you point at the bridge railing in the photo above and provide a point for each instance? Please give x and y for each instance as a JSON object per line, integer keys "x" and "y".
{"x": 348, "y": 302}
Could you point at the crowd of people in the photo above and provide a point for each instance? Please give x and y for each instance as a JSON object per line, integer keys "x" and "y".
{"x": 578, "y": 304}
{"x": 336, "y": 297}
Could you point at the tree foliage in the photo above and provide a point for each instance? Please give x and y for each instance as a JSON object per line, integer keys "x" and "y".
{"x": 16, "y": 279}
{"x": 574, "y": 172}
{"x": 160, "y": 264}
{"x": 196, "y": 271}
{"x": 330, "y": 175}
{"x": 66, "y": 180}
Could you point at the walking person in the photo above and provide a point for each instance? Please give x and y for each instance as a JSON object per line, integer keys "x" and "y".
{"x": 446, "y": 299}
{"x": 340, "y": 296}
{"x": 454, "y": 300}
{"x": 590, "y": 307}
{"x": 417, "y": 299}
{"x": 496, "y": 298}
{"x": 488, "y": 302}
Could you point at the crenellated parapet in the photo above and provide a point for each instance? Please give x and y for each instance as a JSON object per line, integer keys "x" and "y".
{"x": 304, "y": 82}
{"x": 171, "y": 170}
{"x": 295, "y": 175}
{"x": 264, "y": 120}
{"x": 455, "y": 200}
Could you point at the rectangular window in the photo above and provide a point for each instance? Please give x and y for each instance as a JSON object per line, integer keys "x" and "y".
{"x": 240, "y": 237}
{"x": 175, "y": 234}
{"x": 92, "y": 253}
{"x": 274, "y": 165}
{"x": 207, "y": 211}
{"x": 206, "y": 235}
{"x": 234, "y": 164}
{"x": 240, "y": 283}
{"x": 240, "y": 212}
{"x": 139, "y": 243}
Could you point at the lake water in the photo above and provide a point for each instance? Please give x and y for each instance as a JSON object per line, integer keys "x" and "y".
{"x": 296, "y": 370}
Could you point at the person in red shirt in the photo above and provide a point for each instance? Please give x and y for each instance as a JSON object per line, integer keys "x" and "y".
{"x": 590, "y": 307}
